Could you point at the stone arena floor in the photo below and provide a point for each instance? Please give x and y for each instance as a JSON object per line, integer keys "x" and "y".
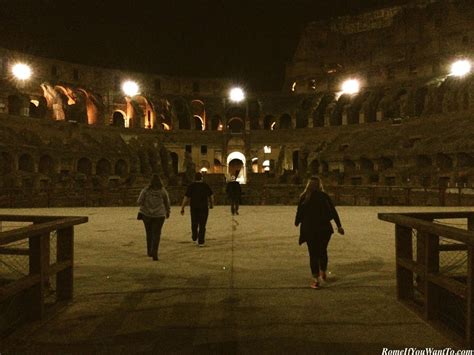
{"x": 246, "y": 291}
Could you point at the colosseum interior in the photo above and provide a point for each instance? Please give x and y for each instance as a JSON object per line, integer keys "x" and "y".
{"x": 71, "y": 136}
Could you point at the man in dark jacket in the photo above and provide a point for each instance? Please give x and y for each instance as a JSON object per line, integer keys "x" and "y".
{"x": 200, "y": 198}
{"x": 234, "y": 192}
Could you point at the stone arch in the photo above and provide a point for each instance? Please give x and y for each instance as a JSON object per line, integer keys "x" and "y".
{"x": 174, "y": 162}
{"x": 103, "y": 167}
{"x": 366, "y": 165}
{"x": 385, "y": 163}
{"x": 336, "y": 117}
{"x": 6, "y": 163}
{"x": 144, "y": 115}
{"x": 318, "y": 114}
{"x": 303, "y": 112}
{"x": 74, "y": 103}
{"x": 38, "y": 107}
{"x": 216, "y": 123}
{"x": 26, "y": 163}
{"x": 285, "y": 121}
{"x": 444, "y": 161}
{"x": 121, "y": 168}
{"x": 420, "y": 97}
{"x": 46, "y": 165}
{"x": 369, "y": 107}
{"x": 314, "y": 167}
{"x": 464, "y": 160}
{"x": 84, "y": 166}
{"x": 94, "y": 107}
{"x": 199, "y": 115}
{"x": 269, "y": 122}
{"x": 182, "y": 113}
{"x": 254, "y": 113}
{"x": 236, "y": 125}
{"x": 15, "y": 105}
{"x": 236, "y": 165}
{"x": 423, "y": 161}
{"x": 349, "y": 165}
{"x": 356, "y": 107}
{"x": 118, "y": 118}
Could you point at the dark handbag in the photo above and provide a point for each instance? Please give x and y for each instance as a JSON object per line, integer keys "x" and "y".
{"x": 140, "y": 216}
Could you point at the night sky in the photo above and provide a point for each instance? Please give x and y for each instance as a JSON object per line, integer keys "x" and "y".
{"x": 248, "y": 41}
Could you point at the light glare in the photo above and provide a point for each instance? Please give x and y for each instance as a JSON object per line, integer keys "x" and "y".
{"x": 21, "y": 71}
{"x": 351, "y": 86}
{"x": 130, "y": 88}
{"x": 236, "y": 94}
{"x": 460, "y": 68}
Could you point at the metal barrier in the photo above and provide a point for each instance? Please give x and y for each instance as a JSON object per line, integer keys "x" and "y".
{"x": 444, "y": 296}
{"x": 38, "y": 234}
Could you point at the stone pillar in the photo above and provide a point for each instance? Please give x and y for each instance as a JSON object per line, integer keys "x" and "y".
{"x": 344, "y": 118}
{"x": 293, "y": 121}
{"x": 362, "y": 118}
{"x": 310, "y": 122}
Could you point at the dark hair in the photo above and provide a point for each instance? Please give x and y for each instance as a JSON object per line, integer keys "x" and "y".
{"x": 198, "y": 177}
{"x": 156, "y": 182}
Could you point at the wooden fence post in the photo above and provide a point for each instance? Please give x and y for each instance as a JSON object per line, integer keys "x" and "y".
{"x": 431, "y": 267}
{"x": 65, "y": 252}
{"x": 38, "y": 265}
{"x": 470, "y": 288}
{"x": 404, "y": 249}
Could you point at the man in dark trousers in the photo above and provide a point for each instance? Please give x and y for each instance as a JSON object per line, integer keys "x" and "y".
{"x": 234, "y": 193}
{"x": 200, "y": 198}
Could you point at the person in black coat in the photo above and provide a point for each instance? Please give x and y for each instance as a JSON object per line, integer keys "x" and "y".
{"x": 234, "y": 192}
{"x": 314, "y": 215}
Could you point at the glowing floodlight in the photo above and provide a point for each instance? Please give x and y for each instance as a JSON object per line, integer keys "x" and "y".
{"x": 21, "y": 71}
{"x": 350, "y": 86}
{"x": 460, "y": 68}
{"x": 236, "y": 95}
{"x": 130, "y": 88}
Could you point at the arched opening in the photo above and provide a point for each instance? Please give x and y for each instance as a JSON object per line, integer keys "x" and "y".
{"x": 217, "y": 166}
{"x": 199, "y": 115}
{"x": 183, "y": 114}
{"x": 314, "y": 167}
{"x": 216, "y": 123}
{"x": 444, "y": 162}
{"x": 198, "y": 123}
{"x": 236, "y": 166}
{"x": 465, "y": 160}
{"x": 46, "y": 165}
{"x": 174, "y": 162}
{"x": 349, "y": 166}
{"x": 285, "y": 121}
{"x": 14, "y": 105}
{"x": 118, "y": 119}
{"x": 121, "y": 168}
{"x": 255, "y": 165}
{"x": 38, "y": 107}
{"x": 204, "y": 166}
{"x": 6, "y": 163}
{"x": 269, "y": 122}
{"x": 103, "y": 167}
{"x": 366, "y": 165}
{"x": 303, "y": 113}
{"x": 26, "y": 163}
{"x": 336, "y": 118}
{"x": 236, "y": 125}
{"x": 385, "y": 163}
{"x": 84, "y": 166}
{"x": 296, "y": 159}
{"x": 423, "y": 161}
{"x": 253, "y": 113}
{"x": 318, "y": 114}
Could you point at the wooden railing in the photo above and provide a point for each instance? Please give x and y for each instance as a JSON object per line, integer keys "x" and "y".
{"x": 420, "y": 282}
{"x": 40, "y": 268}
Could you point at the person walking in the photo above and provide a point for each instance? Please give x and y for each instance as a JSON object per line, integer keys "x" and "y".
{"x": 234, "y": 192}
{"x": 315, "y": 212}
{"x": 154, "y": 205}
{"x": 200, "y": 198}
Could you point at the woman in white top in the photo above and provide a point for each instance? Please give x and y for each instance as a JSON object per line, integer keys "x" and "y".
{"x": 154, "y": 205}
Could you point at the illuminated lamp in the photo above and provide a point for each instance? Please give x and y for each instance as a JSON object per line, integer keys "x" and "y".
{"x": 236, "y": 94}
{"x": 130, "y": 88}
{"x": 461, "y": 68}
{"x": 21, "y": 71}
{"x": 350, "y": 86}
